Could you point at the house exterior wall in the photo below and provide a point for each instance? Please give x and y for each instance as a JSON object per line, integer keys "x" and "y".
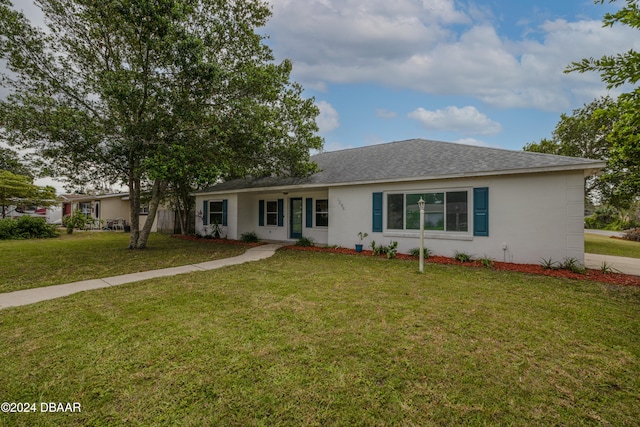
{"x": 530, "y": 217}
{"x": 243, "y": 215}
{"x": 113, "y": 208}
{"x": 110, "y": 208}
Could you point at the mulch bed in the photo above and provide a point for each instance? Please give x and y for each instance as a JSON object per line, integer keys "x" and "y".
{"x": 219, "y": 241}
{"x": 593, "y": 275}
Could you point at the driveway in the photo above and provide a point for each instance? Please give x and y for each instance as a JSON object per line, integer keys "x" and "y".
{"x": 619, "y": 264}
{"x": 603, "y": 232}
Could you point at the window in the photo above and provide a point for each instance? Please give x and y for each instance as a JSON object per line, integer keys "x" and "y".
{"x": 395, "y": 211}
{"x": 144, "y": 209}
{"x": 85, "y": 208}
{"x": 216, "y": 212}
{"x": 272, "y": 212}
{"x": 322, "y": 213}
{"x": 443, "y": 211}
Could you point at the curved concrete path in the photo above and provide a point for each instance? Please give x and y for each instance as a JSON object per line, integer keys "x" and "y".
{"x": 30, "y": 296}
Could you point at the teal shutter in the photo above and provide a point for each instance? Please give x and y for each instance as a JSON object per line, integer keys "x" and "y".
{"x": 481, "y": 211}
{"x": 261, "y": 213}
{"x": 280, "y": 212}
{"x": 225, "y": 204}
{"x": 205, "y": 212}
{"x": 377, "y": 213}
{"x": 309, "y": 213}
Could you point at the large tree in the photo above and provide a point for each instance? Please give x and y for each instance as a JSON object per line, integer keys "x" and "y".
{"x": 140, "y": 90}
{"x": 617, "y": 71}
{"x": 10, "y": 161}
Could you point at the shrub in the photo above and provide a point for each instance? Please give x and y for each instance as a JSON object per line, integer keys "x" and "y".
{"x": 304, "y": 241}
{"x": 391, "y": 251}
{"x": 416, "y": 252}
{"x": 76, "y": 220}
{"x": 7, "y": 229}
{"x": 462, "y": 256}
{"x": 573, "y": 265}
{"x": 250, "y": 237}
{"x": 633, "y": 235}
{"x": 603, "y": 217}
{"x": 26, "y": 227}
{"x": 486, "y": 261}
{"x": 607, "y": 268}
{"x": 549, "y": 264}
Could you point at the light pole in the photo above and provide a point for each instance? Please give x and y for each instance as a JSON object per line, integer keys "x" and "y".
{"x": 421, "y": 206}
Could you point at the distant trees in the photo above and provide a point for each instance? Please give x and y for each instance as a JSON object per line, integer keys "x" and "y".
{"x": 584, "y": 133}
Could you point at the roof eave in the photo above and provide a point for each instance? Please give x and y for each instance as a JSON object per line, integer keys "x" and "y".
{"x": 589, "y": 169}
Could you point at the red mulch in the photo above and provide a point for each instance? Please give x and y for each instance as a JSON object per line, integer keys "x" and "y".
{"x": 219, "y": 241}
{"x": 594, "y": 275}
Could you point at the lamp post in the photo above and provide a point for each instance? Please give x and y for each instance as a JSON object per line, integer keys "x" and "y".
{"x": 421, "y": 206}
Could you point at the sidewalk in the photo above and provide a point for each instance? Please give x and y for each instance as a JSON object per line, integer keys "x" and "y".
{"x": 618, "y": 263}
{"x": 30, "y": 296}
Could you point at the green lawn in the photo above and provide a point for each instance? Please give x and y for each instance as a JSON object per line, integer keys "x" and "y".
{"x": 325, "y": 339}
{"x": 84, "y": 255}
{"x": 605, "y": 245}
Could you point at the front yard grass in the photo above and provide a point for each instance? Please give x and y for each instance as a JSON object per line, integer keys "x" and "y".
{"x": 326, "y": 339}
{"x": 34, "y": 263}
{"x": 605, "y": 245}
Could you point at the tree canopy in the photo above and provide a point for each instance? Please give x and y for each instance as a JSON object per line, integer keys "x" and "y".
{"x": 10, "y": 161}
{"x": 584, "y": 133}
{"x": 621, "y": 70}
{"x": 18, "y": 190}
{"x": 153, "y": 94}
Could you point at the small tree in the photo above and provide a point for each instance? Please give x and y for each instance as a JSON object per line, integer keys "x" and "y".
{"x": 18, "y": 190}
{"x": 76, "y": 220}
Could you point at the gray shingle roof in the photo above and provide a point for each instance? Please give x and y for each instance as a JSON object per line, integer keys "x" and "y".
{"x": 415, "y": 159}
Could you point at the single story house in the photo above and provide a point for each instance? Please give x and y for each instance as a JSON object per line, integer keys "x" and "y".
{"x": 108, "y": 210}
{"x": 512, "y": 206}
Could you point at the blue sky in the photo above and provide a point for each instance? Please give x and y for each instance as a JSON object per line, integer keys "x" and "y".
{"x": 477, "y": 72}
{"x": 483, "y": 73}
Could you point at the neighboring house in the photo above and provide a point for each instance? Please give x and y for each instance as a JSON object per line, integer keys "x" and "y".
{"x": 109, "y": 210}
{"x": 512, "y": 206}
{"x": 50, "y": 214}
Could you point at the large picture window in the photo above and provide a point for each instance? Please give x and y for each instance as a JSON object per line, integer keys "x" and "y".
{"x": 443, "y": 211}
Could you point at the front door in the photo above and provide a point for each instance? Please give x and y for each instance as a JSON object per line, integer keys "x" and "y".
{"x": 295, "y": 218}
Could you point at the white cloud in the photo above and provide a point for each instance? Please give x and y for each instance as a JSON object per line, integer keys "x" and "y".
{"x": 466, "y": 120}
{"x": 436, "y": 47}
{"x": 328, "y": 119}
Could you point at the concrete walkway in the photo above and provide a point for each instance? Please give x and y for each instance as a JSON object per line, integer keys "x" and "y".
{"x": 30, "y": 296}
{"x": 618, "y": 264}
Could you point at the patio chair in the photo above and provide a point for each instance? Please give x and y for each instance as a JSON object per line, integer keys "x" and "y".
{"x": 118, "y": 224}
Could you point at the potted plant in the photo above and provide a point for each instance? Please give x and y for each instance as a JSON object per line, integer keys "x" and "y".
{"x": 359, "y": 245}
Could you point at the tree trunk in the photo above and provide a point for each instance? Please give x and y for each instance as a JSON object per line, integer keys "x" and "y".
{"x": 134, "y": 207}
{"x": 179, "y": 211}
{"x": 156, "y": 194}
